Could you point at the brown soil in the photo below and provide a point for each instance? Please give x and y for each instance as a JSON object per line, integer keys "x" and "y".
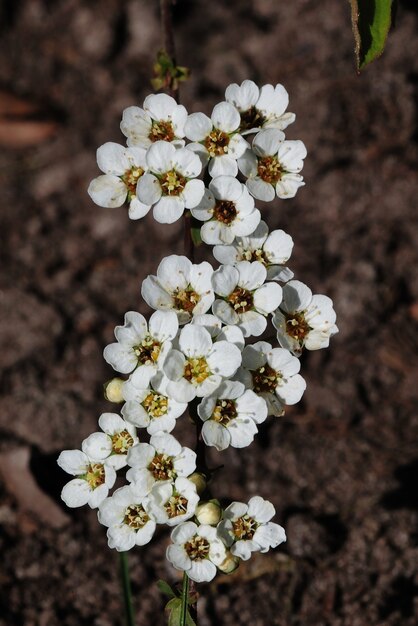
{"x": 341, "y": 467}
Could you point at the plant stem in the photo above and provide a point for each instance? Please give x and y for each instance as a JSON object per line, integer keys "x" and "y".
{"x": 168, "y": 40}
{"x": 126, "y": 587}
{"x": 184, "y": 599}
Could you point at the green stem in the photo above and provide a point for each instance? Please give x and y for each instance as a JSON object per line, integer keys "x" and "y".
{"x": 184, "y": 599}
{"x": 126, "y": 587}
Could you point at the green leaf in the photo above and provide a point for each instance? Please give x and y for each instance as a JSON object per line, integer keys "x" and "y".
{"x": 189, "y": 620}
{"x": 371, "y": 21}
{"x": 165, "y": 588}
{"x": 174, "y": 609}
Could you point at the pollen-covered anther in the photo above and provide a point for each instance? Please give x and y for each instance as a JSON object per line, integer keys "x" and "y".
{"x": 265, "y": 379}
{"x": 176, "y": 505}
{"x": 217, "y": 143}
{"x": 130, "y": 178}
{"x": 161, "y": 467}
{"x": 95, "y": 475}
{"x": 269, "y": 169}
{"x": 241, "y": 300}
{"x": 244, "y": 527}
{"x": 296, "y": 326}
{"x": 256, "y": 255}
{"x": 197, "y": 548}
{"x": 196, "y": 370}
{"x": 252, "y": 118}
{"x": 135, "y": 516}
{"x": 121, "y": 442}
{"x": 155, "y": 404}
{"x": 147, "y": 351}
{"x": 224, "y": 412}
{"x": 161, "y": 131}
{"x": 186, "y": 299}
{"x": 225, "y": 211}
{"x": 172, "y": 183}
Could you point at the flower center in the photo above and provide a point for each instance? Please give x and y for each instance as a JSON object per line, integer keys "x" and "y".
{"x": 161, "y": 131}
{"x": 225, "y": 211}
{"x": 244, "y": 527}
{"x": 95, "y": 475}
{"x": 147, "y": 352}
{"x": 269, "y": 169}
{"x": 185, "y": 299}
{"x": 265, "y": 379}
{"x": 241, "y": 300}
{"x": 255, "y": 255}
{"x": 296, "y": 325}
{"x": 252, "y": 118}
{"x": 176, "y": 505}
{"x": 172, "y": 183}
{"x": 155, "y": 404}
{"x": 196, "y": 370}
{"x": 224, "y": 412}
{"x": 135, "y": 516}
{"x": 161, "y": 467}
{"x": 130, "y": 178}
{"x": 121, "y": 442}
{"x": 197, "y": 548}
{"x": 217, "y": 143}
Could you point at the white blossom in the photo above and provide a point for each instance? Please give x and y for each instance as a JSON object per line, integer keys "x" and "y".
{"x": 303, "y": 319}
{"x": 219, "y": 331}
{"x": 218, "y": 139}
{"x": 141, "y": 344}
{"x": 93, "y": 479}
{"x": 272, "y": 166}
{"x": 180, "y": 286}
{"x": 272, "y": 373}
{"x": 230, "y": 416}
{"x": 227, "y": 210}
{"x": 113, "y": 443}
{"x": 170, "y": 184}
{"x": 199, "y": 366}
{"x": 260, "y": 108}
{"x": 196, "y": 550}
{"x": 128, "y": 521}
{"x": 247, "y": 528}
{"x": 160, "y": 119}
{"x": 122, "y": 167}
{"x": 246, "y": 298}
{"x": 272, "y": 250}
{"x": 172, "y": 503}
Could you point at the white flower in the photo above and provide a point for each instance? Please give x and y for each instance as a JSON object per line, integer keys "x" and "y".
{"x": 172, "y": 503}
{"x": 304, "y": 320}
{"x": 260, "y": 108}
{"x": 218, "y": 331}
{"x": 246, "y": 300}
{"x": 272, "y": 250}
{"x": 230, "y": 416}
{"x": 163, "y": 458}
{"x": 93, "y": 480}
{"x": 273, "y": 374}
{"x": 227, "y": 210}
{"x": 247, "y": 528}
{"x": 148, "y": 404}
{"x": 196, "y": 550}
{"x": 113, "y": 443}
{"x": 140, "y": 344}
{"x": 197, "y": 369}
{"x": 129, "y": 523}
{"x": 170, "y": 184}
{"x": 273, "y": 165}
{"x": 219, "y": 138}
{"x": 180, "y": 286}
{"x": 160, "y": 119}
{"x": 122, "y": 168}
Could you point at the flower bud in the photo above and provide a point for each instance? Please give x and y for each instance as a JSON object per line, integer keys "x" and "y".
{"x": 113, "y": 390}
{"x": 208, "y": 513}
{"x": 199, "y": 480}
{"x": 229, "y": 564}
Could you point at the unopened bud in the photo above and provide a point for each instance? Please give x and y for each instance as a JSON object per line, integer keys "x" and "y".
{"x": 113, "y": 390}
{"x": 208, "y": 513}
{"x": 199, "y": 480}
{"x": 229, "y": 564}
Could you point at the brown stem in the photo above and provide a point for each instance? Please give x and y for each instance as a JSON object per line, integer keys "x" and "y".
{"x": 168, "y": 42}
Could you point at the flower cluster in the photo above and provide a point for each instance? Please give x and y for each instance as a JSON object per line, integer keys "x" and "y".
{"x": 198, "y": 350}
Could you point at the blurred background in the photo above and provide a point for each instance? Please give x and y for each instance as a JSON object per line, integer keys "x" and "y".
{"x": 342, "y": 466}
